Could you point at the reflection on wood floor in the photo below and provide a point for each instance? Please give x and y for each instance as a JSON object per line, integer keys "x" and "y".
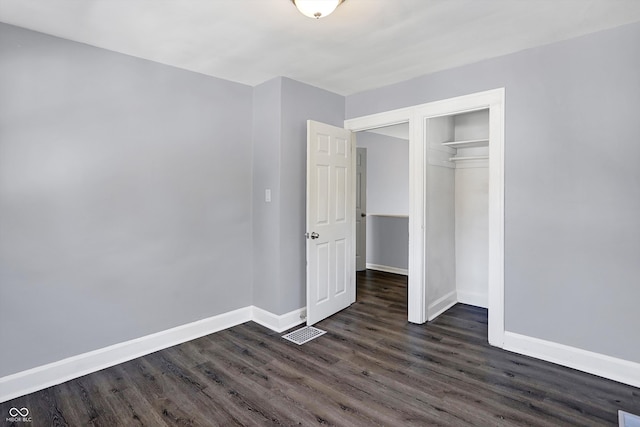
{"x": 371, "y": 368}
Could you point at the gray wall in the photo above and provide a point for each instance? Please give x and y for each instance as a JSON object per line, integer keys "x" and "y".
{"x": 279, "y": 243}
{"x": 387, "y": 173}
{"x": 387, "y": 194}
{"x": 126, "y": 191}
{"x": 572, "y": 183}
{"x": 125, "y": 198}
{"x": 266, "y": 175}
{"x": 388, "y": 241}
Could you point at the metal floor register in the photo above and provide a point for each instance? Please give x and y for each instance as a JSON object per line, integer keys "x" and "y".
{"x": 304, "y": 335}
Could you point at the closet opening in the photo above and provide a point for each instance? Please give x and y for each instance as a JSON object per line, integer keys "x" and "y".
{"x": 457, "y": 210}
{"x": 448, "y": 137}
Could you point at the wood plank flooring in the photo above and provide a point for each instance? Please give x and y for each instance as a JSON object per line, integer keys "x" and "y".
{"x": 371, "y": 368}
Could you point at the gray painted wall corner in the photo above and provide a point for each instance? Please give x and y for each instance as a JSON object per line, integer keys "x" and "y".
{"x": 281, "y": 109}
{"x": 125, "y": 192}
{"x": 266, "y": 129}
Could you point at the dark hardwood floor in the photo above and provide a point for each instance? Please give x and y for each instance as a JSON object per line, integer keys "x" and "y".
{"x": 371, "y": 368}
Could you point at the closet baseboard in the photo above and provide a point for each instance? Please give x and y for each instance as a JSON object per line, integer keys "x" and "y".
{"x": 441, "y": 305}
{"x": 388, "y": 269}
{"x": 476, "y": 299}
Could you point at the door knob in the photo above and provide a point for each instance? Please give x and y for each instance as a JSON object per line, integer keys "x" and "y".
{"x": 363, "y": 215}
{"x": 314, "y": 235}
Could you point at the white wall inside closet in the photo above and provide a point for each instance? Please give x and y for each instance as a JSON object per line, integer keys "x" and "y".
{"x": 457, "y": 189}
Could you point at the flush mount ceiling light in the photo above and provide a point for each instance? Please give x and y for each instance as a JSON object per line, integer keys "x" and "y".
{"x": 316, "y": 8}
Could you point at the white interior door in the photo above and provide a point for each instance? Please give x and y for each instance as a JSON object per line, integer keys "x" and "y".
{"x": 330, "y": 220}
{"x": 361, "y": 209}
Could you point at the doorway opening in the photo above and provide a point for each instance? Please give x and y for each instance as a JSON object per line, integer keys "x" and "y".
{"x": 429, "y": 152}
{"x": 382, "y": 199}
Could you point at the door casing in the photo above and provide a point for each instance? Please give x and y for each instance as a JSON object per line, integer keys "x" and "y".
{"x": 417, "y": 117}
{"x": 361, "y": 208}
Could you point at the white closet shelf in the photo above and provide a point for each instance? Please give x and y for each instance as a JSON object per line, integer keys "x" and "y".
{"x": 467, "y": 144}
{"x": 460, "y": 159}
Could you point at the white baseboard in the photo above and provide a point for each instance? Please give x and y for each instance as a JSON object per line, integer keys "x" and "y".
{"x": 51, "y": 374}
{"x": 44, "y": 376}
{"x": 441, "y": 305}
{"x": 477, "y": 299}
{"x": 388, "y": 269}
{"x": 278, "y": 323}
{"x": 38, "y": 378}
{"x": 598, "y": 364}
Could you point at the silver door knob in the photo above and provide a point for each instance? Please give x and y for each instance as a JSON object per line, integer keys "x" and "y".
{"x": 314, "y": 235}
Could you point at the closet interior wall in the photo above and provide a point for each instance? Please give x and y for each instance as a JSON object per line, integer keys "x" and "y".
{"x": 457, "y": 210}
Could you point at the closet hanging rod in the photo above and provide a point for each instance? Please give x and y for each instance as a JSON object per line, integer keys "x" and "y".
{"x": 467, "y": 143}
{"x": 460, "y": 159}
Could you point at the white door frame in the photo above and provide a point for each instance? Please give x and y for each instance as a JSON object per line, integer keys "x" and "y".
{"x": 361, "y": 204}
{"x": 417, "y": 116}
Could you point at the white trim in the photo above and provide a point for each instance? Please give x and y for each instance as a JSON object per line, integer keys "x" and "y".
{"x": 51, "y": 374}
{"x": 278, "y": 323}
{"x": 416, "y": 289}
{"x": 418, "y": 306}
{"x": 40, "y": 377}
{"x": 477, "y": 299}
{"x": 494, "y": 101}
{"x": 352, "y": 244}
{"x": 442, "y": 304}
{"x": 598, "y": 364}
{"x": 388, "y": 269}
{"x": 416, "y": 309}
{"x": 496, "y": 218}
{"x": 378, "y": 120}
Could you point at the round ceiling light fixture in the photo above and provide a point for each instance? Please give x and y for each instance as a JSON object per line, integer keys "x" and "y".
{"x": 316, "y": 8}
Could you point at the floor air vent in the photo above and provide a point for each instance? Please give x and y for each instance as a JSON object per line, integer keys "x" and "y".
{"x": 304, "y": 335}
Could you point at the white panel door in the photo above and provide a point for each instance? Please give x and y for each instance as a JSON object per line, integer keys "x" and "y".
{"x": 330, "y": 220}
{"x": 361, "y": 209}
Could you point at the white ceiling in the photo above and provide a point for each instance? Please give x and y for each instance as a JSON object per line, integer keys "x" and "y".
{"x": 364, "y": 44}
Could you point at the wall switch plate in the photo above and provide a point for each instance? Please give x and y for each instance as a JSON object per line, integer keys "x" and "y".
{"x": 267, "y": 195}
